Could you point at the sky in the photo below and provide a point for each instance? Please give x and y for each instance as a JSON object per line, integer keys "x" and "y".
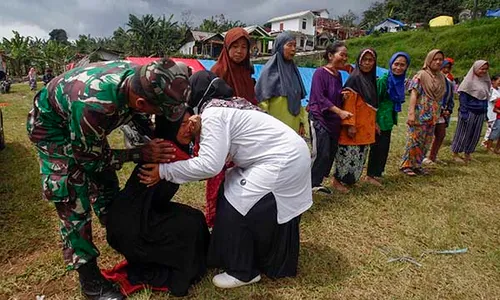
{"x": 100, "y": 18}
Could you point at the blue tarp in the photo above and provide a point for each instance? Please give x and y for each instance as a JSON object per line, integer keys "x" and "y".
{"x": 493, "y": 13}
{"x": 305, "y": 73}
{"x": 207, "y": 63}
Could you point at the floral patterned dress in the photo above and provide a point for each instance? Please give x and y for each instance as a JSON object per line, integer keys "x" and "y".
{"x": 419, "y": 136}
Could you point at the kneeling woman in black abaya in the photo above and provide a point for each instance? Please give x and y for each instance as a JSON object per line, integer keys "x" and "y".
{"x": 165, "y": 243}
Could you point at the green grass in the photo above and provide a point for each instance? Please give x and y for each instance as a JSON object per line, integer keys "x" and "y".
{"x": 346, "y": 240}
{"x": 465, "y": 42}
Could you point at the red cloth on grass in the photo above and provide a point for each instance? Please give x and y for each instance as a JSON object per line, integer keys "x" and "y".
{"x": 118, "y": 274}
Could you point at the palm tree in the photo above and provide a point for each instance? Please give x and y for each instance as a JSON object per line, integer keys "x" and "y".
{"x": 167, "y": 36}
{"x": 143, "y": 32}
{"x": 56, "y": 55}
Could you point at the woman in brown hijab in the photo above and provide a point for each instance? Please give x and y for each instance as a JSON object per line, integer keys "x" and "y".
{"x": 233, "y": 65}
{"x": 427, "y": 89}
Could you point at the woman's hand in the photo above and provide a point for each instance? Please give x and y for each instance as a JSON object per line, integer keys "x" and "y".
{"x": 351, "y": 131}
{"x": 149, "y": 174}
{"x": 344, "y": 114}
{"x": 411, "y": 119}
{"x": 302, "y": 130}
{"x": 195, "y": 124}
{"x": 377, "y": 129}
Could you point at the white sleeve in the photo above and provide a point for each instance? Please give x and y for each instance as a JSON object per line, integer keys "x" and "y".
{"x": 214, "y": 147}
{"x": 494, "y": 95}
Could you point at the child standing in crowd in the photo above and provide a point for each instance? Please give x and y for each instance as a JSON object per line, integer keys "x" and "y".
{"x": 493, "y": 132}
{"x": 48, "y": 76}
{"x": 495, "y": 95}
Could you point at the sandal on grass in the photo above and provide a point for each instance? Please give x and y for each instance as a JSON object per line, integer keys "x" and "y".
{"x": 421, "y": 171}
{"x": 408, "y": 171}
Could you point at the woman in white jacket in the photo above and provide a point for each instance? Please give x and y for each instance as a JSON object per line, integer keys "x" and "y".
{"x": 259, "y": 207}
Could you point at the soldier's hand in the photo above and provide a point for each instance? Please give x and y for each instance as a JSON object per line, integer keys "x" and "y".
{"x": 158, "y": 151}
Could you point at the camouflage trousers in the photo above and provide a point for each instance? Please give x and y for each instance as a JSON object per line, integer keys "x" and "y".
{"x": 75, "y": 194}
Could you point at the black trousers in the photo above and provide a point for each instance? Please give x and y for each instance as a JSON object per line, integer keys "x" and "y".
{"x": 379, "y": 152}
{"x": 246, "y": 246}
{"x": 324, "y": 150}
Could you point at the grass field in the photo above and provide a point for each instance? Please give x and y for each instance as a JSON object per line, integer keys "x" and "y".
{"x": 346, "y": 240}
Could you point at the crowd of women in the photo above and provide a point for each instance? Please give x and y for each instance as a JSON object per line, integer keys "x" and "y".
{"x": 246, "y": 139}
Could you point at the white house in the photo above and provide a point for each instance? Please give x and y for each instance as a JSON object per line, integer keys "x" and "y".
{"x": 301, "y": 24}
{"x": 322, "y": 13}
{"x": 389, "y": 25}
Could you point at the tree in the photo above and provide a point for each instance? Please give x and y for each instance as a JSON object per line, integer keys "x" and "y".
{"x": 373, "y": 15}
{"x": 142, "y": 31}
{"x": 348, "y": 19}
{"x": 58, "y": 35}
{"x": 167, "y": 36}
{"x": 121, "y": 40}
{"x": 411, "y": 10}
{"x": 55, "y": 55}
{"x": 84, "y": 44}
{"x": 17, "y": 49}
{"x": 219, "y": 24}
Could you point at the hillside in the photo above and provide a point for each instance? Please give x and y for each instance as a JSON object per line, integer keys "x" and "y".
{"x": 464, "y": 42}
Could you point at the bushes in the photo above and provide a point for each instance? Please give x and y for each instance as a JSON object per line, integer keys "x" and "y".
{"x": 465, "y": 42}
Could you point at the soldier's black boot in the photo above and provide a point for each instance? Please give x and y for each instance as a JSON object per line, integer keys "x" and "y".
{"x": 94, "y": 285}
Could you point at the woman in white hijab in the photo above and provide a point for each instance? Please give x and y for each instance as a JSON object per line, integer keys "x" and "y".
{"x": 474, "y": 92}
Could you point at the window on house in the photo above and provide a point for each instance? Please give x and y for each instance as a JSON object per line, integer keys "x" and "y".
{"x": 281, "y": 26}
{"x": 304, "y": 23}
{"x": 302, "y": 43}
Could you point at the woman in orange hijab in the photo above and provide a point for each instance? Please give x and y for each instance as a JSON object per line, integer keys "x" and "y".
{"x": 233, "y": 65}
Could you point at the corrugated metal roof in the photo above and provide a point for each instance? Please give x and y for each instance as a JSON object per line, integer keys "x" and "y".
{"x": 202, "y": 35}
{"x": 290, "y": 16}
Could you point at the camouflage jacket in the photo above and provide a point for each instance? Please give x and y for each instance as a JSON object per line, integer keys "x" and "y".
{"x": 80, "y": 108}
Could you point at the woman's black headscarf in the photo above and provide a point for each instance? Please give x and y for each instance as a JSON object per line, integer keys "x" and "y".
{"x": 362, "y": 83}
{"x": 205, "y": 86}
{"x": 167, "y": 130}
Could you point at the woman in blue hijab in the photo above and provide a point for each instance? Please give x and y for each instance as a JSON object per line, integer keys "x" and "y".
{"x": 280, "y": 89}
{"x": 391, "y": 95}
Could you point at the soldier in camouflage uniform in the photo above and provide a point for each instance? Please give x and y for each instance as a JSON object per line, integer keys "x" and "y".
{"x": 68, "y": 125}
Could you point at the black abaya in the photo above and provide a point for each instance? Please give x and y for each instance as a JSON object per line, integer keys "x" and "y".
{"x": 165, "y": 243}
